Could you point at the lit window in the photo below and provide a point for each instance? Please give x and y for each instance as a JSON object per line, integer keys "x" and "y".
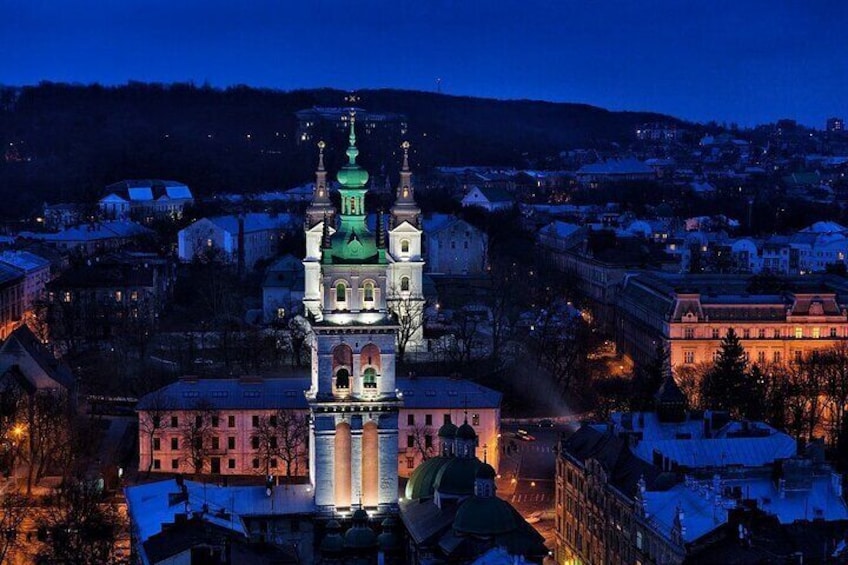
{"x": 118, "y": 295}
{"x": 134, "y": 295}
{"x": 816, "y": 333}
{"x": 832, "y": 332}
{"x": 66, "y": 296}
{"x": 715, "y": 333}
{"x": 475, "y": 419}
{"x": 688, "y": 357}
{"x": 341, "y": 292}
{"x": 281, "y": 313}
{"x": 369, "y": 292}
{"x": 369, "y": 379}
{"x": 799, "y": 333}
{"x": 208, "y": 243}
{"x": 689, "y": 333}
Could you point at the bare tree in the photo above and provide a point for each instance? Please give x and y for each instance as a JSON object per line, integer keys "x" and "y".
{"x": 836, "y": 388}
{"x": 408, "y": 310}
{"x": 266, "y": 441}
{"x": 47, "y": 434}
{"x": 423, "y": 440}
{"x": 14, "y": 508}
{"x": 81, "y": 525}
{"x": 158, "y": 408}
{"x": 293, "y": 433}
{"x": 197, "y": 431}
{"x": 561, "y": 340}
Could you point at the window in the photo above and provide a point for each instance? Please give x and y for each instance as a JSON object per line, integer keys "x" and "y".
{"x": 404, "y": 284}
{"x": 157, "y": 464}
{"x": 231, "y": 442}
{"x": 156, "y": 444}
{"x": 231, "y": 421}
{"x": 175, "y": 464}
{"x": 639, "y": 541}
{"x": 281, "y": 313}
{"x": 254, "y": 442}
{"x": 368, "y": 292}
{"x": 816, "y": 333}
{"x": 66, "y": 296}
{"x": 410, "y": 419}
{"x": 273, "y": 463}
{"x": 746, "y": 334}
{"x": 215, "y": 421}
{"x": 776, "y": 357}
{"x": 216, "y": 443}
{"x": 453, "y": 245}
{"x": 341, "y": 292}
{"x": 410, "y": 440}
{"x": 342, "y": 378}
{"x": 255, "y": 463}
{"x": 446, "y": 419}
{"x": 761, "y": 357}
{"x": 255, "y": 420}
{"x": 198, "y": 421}
{"x": 208, "y": 243}
{"x": 272, "y": 419}
{"x": 175, "y": 444}
{"x": 410, "y": 462}
{"x": 777, "y": 333}
{"x": 404, "y": 246}
{"x": 231, "y": 463}
{"x": 715, "y": 333}
{"x": 134, "y": 295}
{"x": 798, "y": 356}
{"x": 428, "y": 420}
{"x": 475, "y": 419}
{"x": 689, "y": 333}
{"x": 273, "y": 442}
{"x": 118, "y": 295}
{"x": 761, "y": 333}
{"x": 369, "y": 379}
{"x": 428, "y": 441}
{"x": 175, "y": 422}
{"x": 799, "y": 333}
{"x": 466, "y": 245}
{"x": 688, "y": 357}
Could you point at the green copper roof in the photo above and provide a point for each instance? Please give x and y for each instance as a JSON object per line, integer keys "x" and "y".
{"x": 485, "y": 517}
{"x": 422, "y": 482}
{"x": 352, "y": 175}
{"x": 457, "y": 477}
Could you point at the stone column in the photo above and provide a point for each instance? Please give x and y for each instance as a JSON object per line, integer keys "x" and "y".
{"x": 355, "y": 459}
{"x": 387, "y": 437}
{"x": 323, "y": 461}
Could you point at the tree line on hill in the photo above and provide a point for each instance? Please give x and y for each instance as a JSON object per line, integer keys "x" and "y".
{"x": 64, "y": 142}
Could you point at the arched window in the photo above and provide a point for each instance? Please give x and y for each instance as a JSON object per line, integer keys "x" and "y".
{"x": 404, "y": 284}
{"x": 369, "y": 378}
{"x": 342, "y": 378}
{"x": 404, "y": 246}
{"x": 368, "y": 294}
{"x": 341, "y": 292}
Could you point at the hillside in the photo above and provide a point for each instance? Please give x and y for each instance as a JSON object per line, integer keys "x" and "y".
{"x": 66, "y": 142}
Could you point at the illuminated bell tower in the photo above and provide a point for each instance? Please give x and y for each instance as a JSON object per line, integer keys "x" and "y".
{"x": 352, "y": 397}
{"x": 406, "y": 261}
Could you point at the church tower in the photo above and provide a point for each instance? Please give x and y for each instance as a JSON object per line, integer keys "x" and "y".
{"x": 406, "y": 262}
{"x": 320, "y": 216}
{"x": 352, "y": 397}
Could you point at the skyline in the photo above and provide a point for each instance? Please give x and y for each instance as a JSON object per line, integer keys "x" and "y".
{"x": 746, "y": 64}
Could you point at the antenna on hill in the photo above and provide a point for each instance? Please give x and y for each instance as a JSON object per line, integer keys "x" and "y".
{"x": 438, "y": 85}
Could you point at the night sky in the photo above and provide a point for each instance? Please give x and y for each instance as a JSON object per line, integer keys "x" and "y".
{"x": 726, "y": 60}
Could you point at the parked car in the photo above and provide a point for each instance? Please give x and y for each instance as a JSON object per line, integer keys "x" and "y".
{"x": 523, "y": 435}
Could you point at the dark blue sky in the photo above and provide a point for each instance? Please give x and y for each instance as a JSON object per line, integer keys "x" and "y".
{"x": 742, "y": 61}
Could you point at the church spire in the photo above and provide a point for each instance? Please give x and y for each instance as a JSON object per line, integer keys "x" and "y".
{"x": 320, "y": 205}
{"x": 405, "y": 209}
{"x": 381, "y": 231}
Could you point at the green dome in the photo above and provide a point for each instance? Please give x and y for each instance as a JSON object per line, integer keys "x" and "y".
{"x": 485, "y": 517}
{"x": 352, "y": 176}
{"x": 486, "y": 471}
{"x": 465, "y": 431}
{"x": 422, "y": 482}
{"x": 333, "y": 541}
{"x": 457, "y": 477}
{"x": 360, "y": 536}
{"x": 388, "y": 540}
{"x": 448, "y": 430}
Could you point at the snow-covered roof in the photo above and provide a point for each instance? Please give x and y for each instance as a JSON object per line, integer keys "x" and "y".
{"x": 147, "y": 190}
{"x": 560, "y": 229}
{"x": 93, "y": 232}
{"x": 728, "y": 446}
{"x": 24, "y": 260}
{"x": 254, "y": 222}
{"x": 149, "y": 504}
{"x": 616, "y": 167}
{"x": 825, "y": 227}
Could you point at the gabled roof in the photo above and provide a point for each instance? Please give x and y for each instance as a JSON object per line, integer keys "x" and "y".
{"x": 254, "y": 222}
{"x": 24, "y": 260}
{"x": 9, "y": 274}
{"x": 495, "y": 194}
{"x": 148, "y": 190}
{"x": 36, "y": 364}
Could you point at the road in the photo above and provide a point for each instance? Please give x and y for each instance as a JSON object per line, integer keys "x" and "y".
{"x": 528, "y": 469}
